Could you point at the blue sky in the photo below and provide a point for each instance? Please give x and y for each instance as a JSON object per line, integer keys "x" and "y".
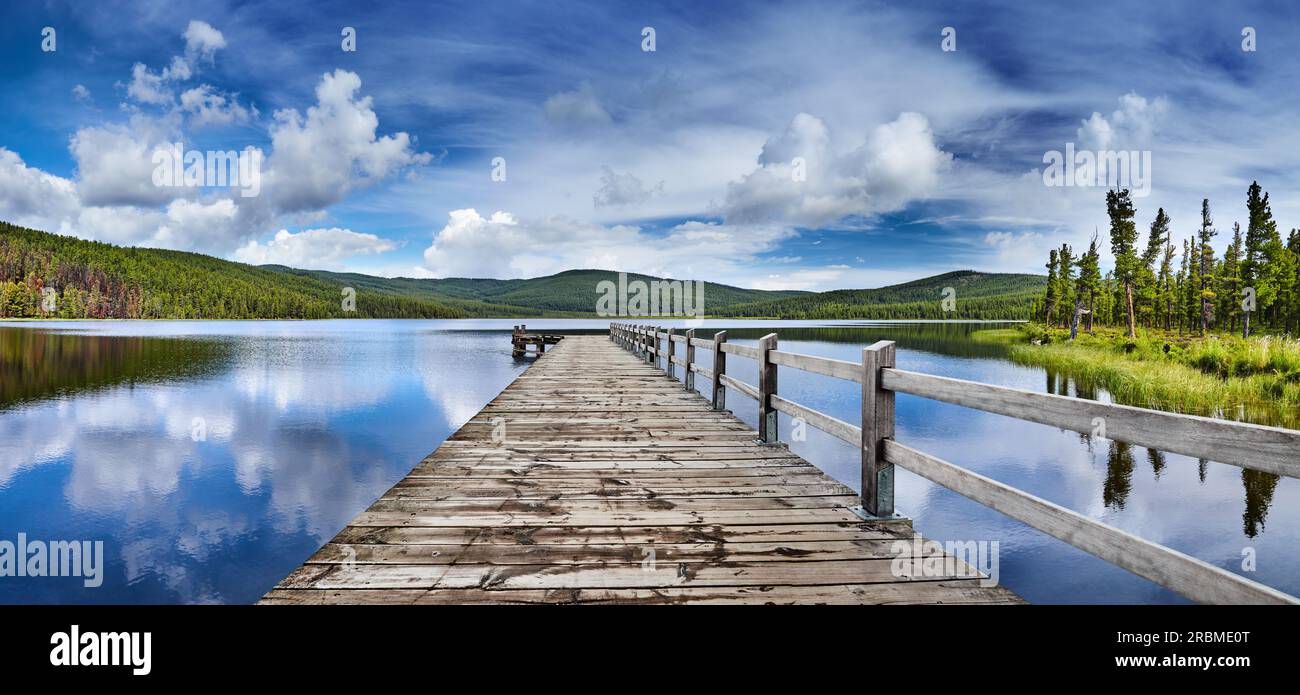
{"x": 681, "y": 161}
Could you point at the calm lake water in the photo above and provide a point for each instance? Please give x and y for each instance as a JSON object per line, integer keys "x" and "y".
{"x": 211, "y": 458}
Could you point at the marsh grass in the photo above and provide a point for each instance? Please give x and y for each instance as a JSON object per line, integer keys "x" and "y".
{"x": 1257, "y": 380}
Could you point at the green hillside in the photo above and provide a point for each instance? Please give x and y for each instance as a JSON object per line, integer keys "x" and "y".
{"x": 572, "y": 291}
{"x": 976, "y": 296}
{"x": 97, "y": 280}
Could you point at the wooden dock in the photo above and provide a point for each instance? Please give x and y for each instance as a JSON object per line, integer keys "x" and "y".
{"x": 596, "y": 478}
{"x": 521, "y": 340}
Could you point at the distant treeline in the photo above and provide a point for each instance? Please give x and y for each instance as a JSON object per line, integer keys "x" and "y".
{"x": 1254, "y": 284}
{"x": 962, "y": 294}
{"x": 96, "y": 281}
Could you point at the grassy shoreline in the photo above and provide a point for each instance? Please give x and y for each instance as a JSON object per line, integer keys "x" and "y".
{"x": 1256, "y": 380}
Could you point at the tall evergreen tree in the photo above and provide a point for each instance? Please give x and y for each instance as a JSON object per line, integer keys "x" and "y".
{"x": 1229, "y": 280}
{"x": 1166, "y": 282}
{"x": 1148, "y": 288}
{"x": 1260, "y": 228}
{"x": 1049, "y": 302}
{"x": 1065, "y": 283}
{"x": 1089, "y": 279}
{"x": 1187, "y": 305}
{"x": 1123, "y": 240}
{"x": 1207, "y": 266}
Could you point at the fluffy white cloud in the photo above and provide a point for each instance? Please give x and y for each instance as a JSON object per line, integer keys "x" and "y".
{"x": 147, "y": 86}
{"x": 201, "y": 43}
{"x": 1015, "y": 251}
{"x": 313, "y": 248}
{"x": 803, "y": 180}
{"x": 206, "y": 106}
{"x": 80, "y": 93}
{"x": 1131, "y": 125}
{"x": 193, "y": 224}
{"x": 31, "y": 197}
{"x": 471, "y": 245}
{"x": 202, "y": 40}
{"x": 316, "y": 160}
{"x": 115, "y": 162}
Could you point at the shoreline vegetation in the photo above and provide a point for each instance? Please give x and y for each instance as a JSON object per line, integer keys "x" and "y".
{"x": 1196, "y": 333}
{"x": 1253, "y": 379}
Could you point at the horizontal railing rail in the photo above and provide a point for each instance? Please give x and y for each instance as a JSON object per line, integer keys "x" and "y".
{"x": 1270, "y": 449}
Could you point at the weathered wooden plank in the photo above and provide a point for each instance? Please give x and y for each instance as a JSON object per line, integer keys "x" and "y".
{"x": 601, "y": 554}
{"x": 577, "y": 535}
{"x": 740, "y": 350}
{"x": 740, "y": 386}
{"x": 1270, "y": 449}
{"x": 653, "y": 575}
{"x": 840, "y": 369}
{"x": 952, "y": 592}
{"x": 836, "y": 428}
{"x": 1193, "y": 578}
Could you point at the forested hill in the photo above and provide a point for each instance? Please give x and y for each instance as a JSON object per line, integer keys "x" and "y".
{"x": 572, "y": 291}
{"x": 974, "y": 295}
{"x": 97, "y": 280}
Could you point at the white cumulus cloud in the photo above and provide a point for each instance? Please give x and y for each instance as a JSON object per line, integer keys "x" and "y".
{"x": 318, "y": 158}
{"x": 502, "y": 246}
{"x": 803, "y": 179}
{"x": 313, "y": 248}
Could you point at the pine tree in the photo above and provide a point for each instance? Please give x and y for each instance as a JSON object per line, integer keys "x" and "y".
{"x": 1148, "y": 288}
{"x": 1229, "y": 280}
{"x": 1187, "y": 294}
{"x": 1166, "y": 282}
{"x": 1260, "y": 228}
{"x": 1089, "y": 279}
{"x": 1049, "y": 302}
{"x": 1065, "y": 283}
{"x": 1207, "y": 266}
{"x": 1123, "y": 240}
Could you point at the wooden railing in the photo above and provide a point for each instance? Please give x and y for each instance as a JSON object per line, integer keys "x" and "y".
{"x": 1257, "y": 447}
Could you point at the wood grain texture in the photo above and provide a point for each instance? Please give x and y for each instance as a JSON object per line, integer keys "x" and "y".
{"x": 1193, "y": 578}
{"x": 1269, "y": 449}
{"x": 614, "y": 484}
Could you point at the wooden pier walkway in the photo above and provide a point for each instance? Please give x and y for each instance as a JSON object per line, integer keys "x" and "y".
{"x": 596, "y": 478}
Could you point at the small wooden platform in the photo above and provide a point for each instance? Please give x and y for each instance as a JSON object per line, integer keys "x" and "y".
{"x": 594, "y": 478}
{"x": 521, "y": 340}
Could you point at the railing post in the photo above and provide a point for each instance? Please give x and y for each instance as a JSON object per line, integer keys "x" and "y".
{"x": 766, "y": 388}
{"x": 719, "y": 368}
{"x": 670, "y": 350}
{"x": 689, "y": 377}
{"x": 652, "y": 339}
{"x": 877, "y": 426}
